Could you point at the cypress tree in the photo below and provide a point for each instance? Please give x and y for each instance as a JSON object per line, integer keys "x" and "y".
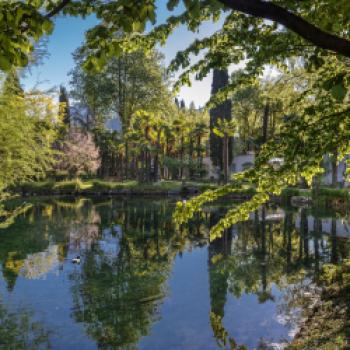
{"x": 64, "y": 103}
{"x": 222, "y": 111}
{"x": 12, "y": 84}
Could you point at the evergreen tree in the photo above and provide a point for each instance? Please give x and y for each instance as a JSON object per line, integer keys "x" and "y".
{"x": 182, "y": 104}
{"x": 64, "y": 106}
{"x": 222, "y": 111}
{"x": 12, "y": 85}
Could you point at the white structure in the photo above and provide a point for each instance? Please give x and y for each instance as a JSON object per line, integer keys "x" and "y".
{"x": 212, "y": 171}
{"x": 342, "y": 228}
{"x": 244, "y": 161}
{"x": 341, "y": 173}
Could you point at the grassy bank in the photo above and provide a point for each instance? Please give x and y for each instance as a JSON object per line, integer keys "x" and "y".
{"x": 327, "y": 326}
{"x": 98, "y": 187}
{"x": 324, "y": 197}
{"x": 321, "y": 192}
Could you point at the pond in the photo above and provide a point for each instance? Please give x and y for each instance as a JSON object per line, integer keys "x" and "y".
{"x": 143, "y": 284}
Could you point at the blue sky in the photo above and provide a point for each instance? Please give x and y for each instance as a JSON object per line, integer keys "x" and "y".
{"x": 69, "y": 34}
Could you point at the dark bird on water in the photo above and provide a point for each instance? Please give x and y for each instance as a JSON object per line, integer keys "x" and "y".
{"x": 76, "y": 260}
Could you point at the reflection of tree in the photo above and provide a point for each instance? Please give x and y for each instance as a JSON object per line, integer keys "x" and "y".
{"x": 27, "y": 246}
{"x": 38, "y": 264}
{"x": 128, "y": 247}
{"x": 19, "y": 240}
{"x": 266, "y": 253}
{"x": 221, "y": 335}
{"x": 218, "y": 250}
{"x": 19, "y": 331}
{"x": 119, "y": 291}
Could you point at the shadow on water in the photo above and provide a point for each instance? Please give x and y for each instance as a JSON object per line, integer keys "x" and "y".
{"x": 143, "y": 284}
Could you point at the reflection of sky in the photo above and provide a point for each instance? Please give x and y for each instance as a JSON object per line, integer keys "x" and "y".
{"x": 188, "y": 307}
{"x": 51, "y": 301}
{"x": 37, "y": 265}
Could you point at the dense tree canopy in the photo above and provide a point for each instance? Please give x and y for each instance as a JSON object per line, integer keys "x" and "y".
{"x": 322, "y": 24}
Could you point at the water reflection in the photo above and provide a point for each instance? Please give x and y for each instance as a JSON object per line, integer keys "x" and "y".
{"x": 126, "y": 291}
{"x": 19, "y": 331}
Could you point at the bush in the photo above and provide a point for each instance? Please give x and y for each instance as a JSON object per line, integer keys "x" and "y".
{"x": 69, "y": 186}
{"x": 41, "y": 188}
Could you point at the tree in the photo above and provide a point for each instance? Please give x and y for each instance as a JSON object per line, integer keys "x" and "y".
{"x": 79, "y": 154}
{"x": 219, "y": 112}
{"x": 134, "y": 81}
{"x": 28, "y": 128}
{"x": 128, "y": 84}
{"x": 64, "y": 106}
{"x": 12, "y": 85}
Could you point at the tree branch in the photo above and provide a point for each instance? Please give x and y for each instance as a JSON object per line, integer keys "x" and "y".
{"x": 298, "y": 25}
{"x": 57, "y": 9}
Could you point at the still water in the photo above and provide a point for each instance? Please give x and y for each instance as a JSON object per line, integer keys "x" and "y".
{"x": 142, "y": 284}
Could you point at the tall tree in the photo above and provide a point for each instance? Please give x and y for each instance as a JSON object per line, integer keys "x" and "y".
{"x": 132, "y": 82}
{"x": 12, "y": 85}
{"x": 64, "y": 106}
{"x": 220, "y": 112}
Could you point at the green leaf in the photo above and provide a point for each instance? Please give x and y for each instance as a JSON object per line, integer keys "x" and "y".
{"x": 338, "y": 92}
{"x": 47, "y": 27}
{"x": 172, "y": 4}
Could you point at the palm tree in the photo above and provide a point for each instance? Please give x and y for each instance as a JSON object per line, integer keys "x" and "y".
{"x": 200, "y": 130}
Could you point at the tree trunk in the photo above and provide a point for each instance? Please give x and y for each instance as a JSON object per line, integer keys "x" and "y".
{"x": 334, "y": 169}
{"x": 265, "y": 123}
{"x": 225, "y": 158}
{"x": 181, "y": 156}
{"x": 199, "y": 158}
{"x": 156, "y": 159}
{"x": 126, "y": 160}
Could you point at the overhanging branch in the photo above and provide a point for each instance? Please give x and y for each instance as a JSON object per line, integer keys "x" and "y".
{"x": 58, "y": 8}
{"x": 298, "y": 25}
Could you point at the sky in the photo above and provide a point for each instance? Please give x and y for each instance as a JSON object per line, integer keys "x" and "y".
{"x": 68, "y": 35}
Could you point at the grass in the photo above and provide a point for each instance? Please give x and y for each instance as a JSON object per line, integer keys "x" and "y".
{"x": 322, "y": 191}
{"x": 291, "y": 191}
{"x": 97, "y": 186}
